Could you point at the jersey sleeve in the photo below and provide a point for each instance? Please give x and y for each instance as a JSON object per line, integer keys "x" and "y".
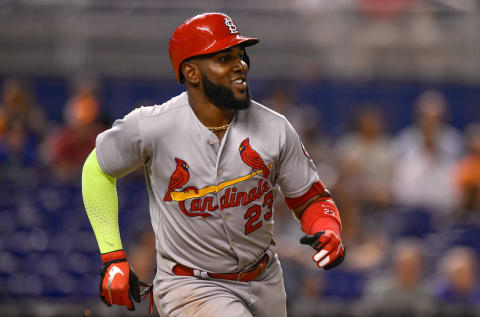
{"x": 297, "y": 172}
{"x": 120, "y": 150}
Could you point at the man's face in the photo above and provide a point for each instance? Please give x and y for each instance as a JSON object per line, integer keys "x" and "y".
{"x": 224, "y": 79}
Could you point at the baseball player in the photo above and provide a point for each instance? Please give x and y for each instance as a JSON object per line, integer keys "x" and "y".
{"x": 213, "y": 161}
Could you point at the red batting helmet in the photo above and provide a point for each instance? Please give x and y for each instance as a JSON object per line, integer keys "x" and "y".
{"x": 204, "y": 34}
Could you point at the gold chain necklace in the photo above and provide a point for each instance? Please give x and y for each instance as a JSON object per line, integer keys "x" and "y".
{"x": 220, "y": 128}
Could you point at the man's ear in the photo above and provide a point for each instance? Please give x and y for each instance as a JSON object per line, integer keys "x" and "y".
{"x": 191, "y": 72}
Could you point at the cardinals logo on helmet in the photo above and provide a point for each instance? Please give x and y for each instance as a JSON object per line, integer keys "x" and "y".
{"x": 250, "y": 157}
{"x": 179, "y": 178}
{"x": 231, "y": 27}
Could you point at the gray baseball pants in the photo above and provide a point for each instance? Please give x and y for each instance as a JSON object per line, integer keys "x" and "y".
{"x": 185, "y": 296}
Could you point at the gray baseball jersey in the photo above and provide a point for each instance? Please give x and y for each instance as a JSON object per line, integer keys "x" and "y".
{"x": 210, "y": 201}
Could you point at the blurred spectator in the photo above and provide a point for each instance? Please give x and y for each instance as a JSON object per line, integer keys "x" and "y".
{"x": 17, "y": 106}
{"x": 317, "y": 143}
{"x": 367, "y": 252}
{"x": 22, "y": 127}
{"x": 401, "y": 292}
{"x": 282, "y": 100}
{"x": 459, "y": 292}
{"x": 17, "y": 148}
{"x": 69, "y": 145}
{"x": 365, "y": 161}
{"x": 426, "y": 154}
{"x": 468, "y": 171}
{"x": 307, "y": 121}
{"x": 430, "y": 129}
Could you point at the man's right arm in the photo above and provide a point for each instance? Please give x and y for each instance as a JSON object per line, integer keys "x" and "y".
{"x": 101, "y": 203}
{"x": 118, "y": 283}
{"x": 118, "y": 152}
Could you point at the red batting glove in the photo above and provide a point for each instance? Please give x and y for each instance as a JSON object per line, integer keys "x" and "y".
{"x": 331, "y": 250}
{"x": 118, "y": 283}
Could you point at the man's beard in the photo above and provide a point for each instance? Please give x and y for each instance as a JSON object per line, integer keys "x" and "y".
{"x": 223, "y": 97}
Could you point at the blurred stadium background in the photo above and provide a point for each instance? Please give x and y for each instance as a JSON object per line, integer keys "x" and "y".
{"x": 386, "y": 96}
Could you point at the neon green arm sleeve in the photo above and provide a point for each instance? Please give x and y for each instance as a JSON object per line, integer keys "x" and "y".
{"x": 101, "y": 203}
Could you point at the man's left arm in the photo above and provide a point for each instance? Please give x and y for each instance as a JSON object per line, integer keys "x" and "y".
{"x": 310, "y": 201}
{"x": 320, "y": 220}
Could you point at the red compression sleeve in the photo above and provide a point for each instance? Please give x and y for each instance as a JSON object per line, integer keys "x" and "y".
{"x": 321, "y": 215}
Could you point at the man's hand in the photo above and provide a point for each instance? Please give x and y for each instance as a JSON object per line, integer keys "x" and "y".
{"x": 331, "y": 250}
{"x": 118, "y": 283}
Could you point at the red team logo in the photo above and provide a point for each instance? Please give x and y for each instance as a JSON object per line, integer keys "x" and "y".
{"x": 194, "y": 202}
{"x": 252, "y": 158}
{"x": 180, "y": 177}
{"x": 231, "y": 27}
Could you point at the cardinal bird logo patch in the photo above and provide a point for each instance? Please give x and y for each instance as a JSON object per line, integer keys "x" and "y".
{"x": 180, "y": 177}
{"x": 250, "y": 157}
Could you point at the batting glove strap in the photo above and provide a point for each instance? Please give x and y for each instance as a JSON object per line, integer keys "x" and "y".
{"x": 118, "y": 283}
{"x": 329, "y": 247}
{"x": 113, "y": 256}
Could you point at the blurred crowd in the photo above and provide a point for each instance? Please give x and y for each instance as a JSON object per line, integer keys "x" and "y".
{"x": 409, "y": 202}
{"x": 27, "y": 139}
{"x": 410, "y": 207}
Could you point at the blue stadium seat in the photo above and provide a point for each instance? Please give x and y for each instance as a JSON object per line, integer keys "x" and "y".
{"x": 467, "y": 234}
{"x": 8, "y": 221}
{"x": 345, "y": 285}
{"x": 409, "y": 222}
